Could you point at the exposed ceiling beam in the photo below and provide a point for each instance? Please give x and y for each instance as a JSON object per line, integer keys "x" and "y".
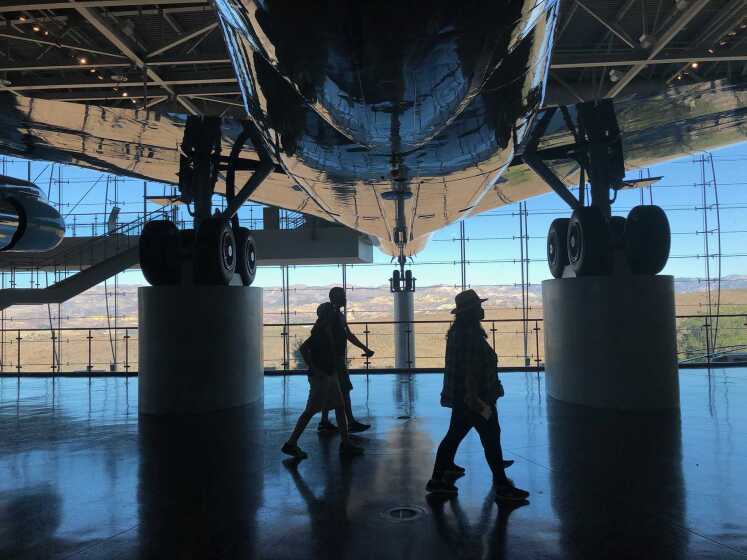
{"x": 17, "y": 21}
{"x": 118, "y": 64}
{"x": 614, "y": 29}
{"x": 723, "y": 22}
{"x": 567, "y": 21}
{"x": 670, "y": 33}
{"x": 93, "y": 4}
{"x": 114, "y": 38}
{"x": 58, "y": 45}
{"x": 108, "y": 95}
{"x": 211, "y": 99}
{"x": 165, "y": 84}
{"x": 164, "y": 11}
{"x": 182, "y": 40}
{"x": 609, "y": 62}
{"x": 155, "y": 101}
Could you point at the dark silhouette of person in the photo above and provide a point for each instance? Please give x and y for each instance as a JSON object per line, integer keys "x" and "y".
{"x": 341, "y": 335}
{"x": 319, "y": 353}
{"x": 471, "y": 389}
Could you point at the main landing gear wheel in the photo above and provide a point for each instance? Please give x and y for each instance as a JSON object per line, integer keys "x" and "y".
{"x": 588, "y": 242}
{"x": 247, "y": 253}
{"x": 648, "y": 240}
{"x": 158, "y": 247}
{"x": 557, "y": 246}
{"x": 215, "y": 252}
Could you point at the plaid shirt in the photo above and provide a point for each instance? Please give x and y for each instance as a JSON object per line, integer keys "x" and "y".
{"x": 471, "y": 370}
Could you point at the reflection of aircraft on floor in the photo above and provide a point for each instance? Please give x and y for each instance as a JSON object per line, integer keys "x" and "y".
{"x": 392, "y": 126}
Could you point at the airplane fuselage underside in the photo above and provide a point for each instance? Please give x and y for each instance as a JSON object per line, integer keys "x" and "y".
{"x": 395, "y": 119}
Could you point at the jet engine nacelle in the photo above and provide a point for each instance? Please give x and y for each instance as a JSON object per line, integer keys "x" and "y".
{"x": 28, "y": 222}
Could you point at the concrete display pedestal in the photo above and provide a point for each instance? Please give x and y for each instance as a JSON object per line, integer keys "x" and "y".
{"x": 200, "y": 348}
{"x": 610, "y": 342}
{"x": 404, "y": 333}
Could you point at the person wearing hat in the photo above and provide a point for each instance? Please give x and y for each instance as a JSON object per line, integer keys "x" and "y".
{"x": 341, "y": 335}
{"x": 471, "y": 388}
{"x": 324, "y": 384}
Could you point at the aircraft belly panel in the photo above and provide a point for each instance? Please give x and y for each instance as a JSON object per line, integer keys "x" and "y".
{"x": 347, "y": 173}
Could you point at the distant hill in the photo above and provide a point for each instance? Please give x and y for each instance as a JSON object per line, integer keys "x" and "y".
{"x": 365, "y": 304}
{"x": 90, "y": 308}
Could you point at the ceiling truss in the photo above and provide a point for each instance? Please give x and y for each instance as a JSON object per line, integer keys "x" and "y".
{"x": 169, "y": 53}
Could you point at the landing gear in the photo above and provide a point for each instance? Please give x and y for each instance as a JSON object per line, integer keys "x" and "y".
{"x": 159, "y": 262}
{"x": 557, "y": 246}
{"x": 246, "y": 265}
{"x": 588, "y": 242}
{"x": 593, "y": 242}
{"x": 648, "y": 240}
{"x": 588, "y": 245}
{"x": 215, "y": 252}
{"x": 218, "y": 247}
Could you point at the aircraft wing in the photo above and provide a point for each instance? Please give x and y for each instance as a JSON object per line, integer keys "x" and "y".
{"x": 138, "y": 144}
{"x": 676, "y": 123}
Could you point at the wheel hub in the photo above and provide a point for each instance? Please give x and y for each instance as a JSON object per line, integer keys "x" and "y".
{"x": 574, "y": 243}
{"x": 227, "y": 252}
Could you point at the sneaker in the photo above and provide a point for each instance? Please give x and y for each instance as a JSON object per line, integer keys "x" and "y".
{"x": 507, "y": 492}
{"x": 356, "y": 427}
{"x": 326, "y": 426}
{"x": 349, "y": 448}
{"x": 294, "y": 451}
{"x": 436, "y": 486}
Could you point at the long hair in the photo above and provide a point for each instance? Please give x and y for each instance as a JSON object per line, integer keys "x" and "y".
{"x": 468, "y": 320}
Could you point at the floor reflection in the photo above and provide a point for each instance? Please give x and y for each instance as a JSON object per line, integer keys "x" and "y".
{"x": 328, "y": 512}
{"x": 487, "y": 538}
{"x": 617, "y": 482}
{"x": 200, "y": 485}
{"x": 82, "y": 477}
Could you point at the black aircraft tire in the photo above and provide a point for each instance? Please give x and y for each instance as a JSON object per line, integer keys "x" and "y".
{"x": 588, "y": 242}
{"x": 247, "y": 255}
{"x": 215, "y": 252}
{"x": 158, "y": 247}
{"x": 648, "y": 240}
{"x": 557, "y": 246}
{"x": 617, "y": 232}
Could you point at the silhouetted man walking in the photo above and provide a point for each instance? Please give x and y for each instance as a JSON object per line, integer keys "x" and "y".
{"x": 341, "y": 335}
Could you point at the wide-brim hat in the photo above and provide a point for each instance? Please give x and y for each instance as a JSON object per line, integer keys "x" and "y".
{"x": 466, "y": 300}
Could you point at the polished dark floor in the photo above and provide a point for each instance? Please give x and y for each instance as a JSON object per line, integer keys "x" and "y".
{"x": 82, "y": 477}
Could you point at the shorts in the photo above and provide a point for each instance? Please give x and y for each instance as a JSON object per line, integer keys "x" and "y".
{"x": 324, "y": 393}
{"x": 345, "y": 383}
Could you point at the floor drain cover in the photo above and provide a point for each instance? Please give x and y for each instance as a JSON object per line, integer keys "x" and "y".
{"x": 403, "y": 513}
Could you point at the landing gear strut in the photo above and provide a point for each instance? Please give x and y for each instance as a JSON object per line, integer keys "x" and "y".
{"x": 593, "y": 242}
{"x": 217, "y": 247}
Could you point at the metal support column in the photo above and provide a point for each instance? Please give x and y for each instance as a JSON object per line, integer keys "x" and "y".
{"x": 404, "y": 329}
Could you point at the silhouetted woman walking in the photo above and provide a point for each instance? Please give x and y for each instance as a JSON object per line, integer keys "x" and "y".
{"x": 471, "y": 389}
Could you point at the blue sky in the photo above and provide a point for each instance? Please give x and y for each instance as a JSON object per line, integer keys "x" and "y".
{"x": 493, "y": 247}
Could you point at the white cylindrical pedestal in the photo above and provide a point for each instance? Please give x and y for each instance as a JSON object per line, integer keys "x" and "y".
{"x": 611, "y": 342}
{"x": 200, "y": 348}
{"x": 404, "y": 333}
